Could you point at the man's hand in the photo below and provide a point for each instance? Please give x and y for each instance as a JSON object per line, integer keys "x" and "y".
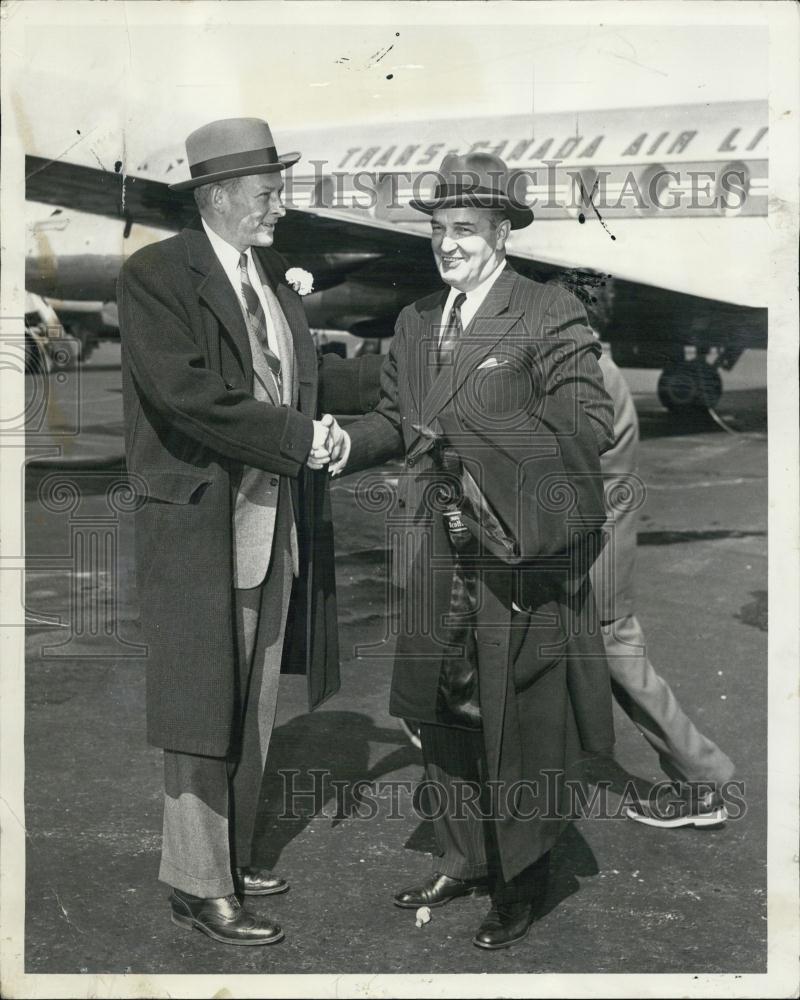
{"x": 330, "y": 445}
{"x": 321, "y": 444}
{"x": 340, "y": 451}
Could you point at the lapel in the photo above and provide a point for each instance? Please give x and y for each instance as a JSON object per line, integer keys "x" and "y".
{"x": 430, "y": 323}
{"x": 216, "y": 291}
{"x": 304, "y": 350}
{"x": 283, "y": 335}
{"x": 490, "y": 324}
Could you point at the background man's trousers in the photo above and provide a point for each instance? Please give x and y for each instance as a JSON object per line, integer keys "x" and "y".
{"x": 647, "y": 699}
{"x": 210, "y": 803}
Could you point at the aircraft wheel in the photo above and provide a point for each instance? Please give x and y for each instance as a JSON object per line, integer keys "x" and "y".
{"x": 689, "y": 385}
{"x": 65, "y": 353}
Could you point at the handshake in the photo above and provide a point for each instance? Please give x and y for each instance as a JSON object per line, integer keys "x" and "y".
{"x": 330, "y": 446}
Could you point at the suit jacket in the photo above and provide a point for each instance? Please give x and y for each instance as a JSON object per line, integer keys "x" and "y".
{"x": 258, "y": 492}
{"x": 523, "y": 405}
{"x": 192, "y": 426}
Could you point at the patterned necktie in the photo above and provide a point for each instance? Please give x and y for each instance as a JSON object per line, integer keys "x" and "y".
{"x": 257, "y": 320}
{"x": 452, "y": 332}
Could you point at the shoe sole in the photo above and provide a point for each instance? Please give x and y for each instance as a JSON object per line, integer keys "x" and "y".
{"x": 189, "y": 923}
{"x": 716, "y": 818}
{"x": 506, "y": 944}
{"x": 266, "y": 892}
{"x": 474, "y": 891}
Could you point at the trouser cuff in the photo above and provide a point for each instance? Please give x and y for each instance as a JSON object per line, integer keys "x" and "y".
{"x": 205, "y": 888}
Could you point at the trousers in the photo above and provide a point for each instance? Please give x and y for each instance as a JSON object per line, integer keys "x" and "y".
{"x": 210, "y": 803}
{"x": 646, "y": 698}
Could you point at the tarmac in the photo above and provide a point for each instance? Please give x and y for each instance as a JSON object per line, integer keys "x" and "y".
{"x": 624, "y": 898}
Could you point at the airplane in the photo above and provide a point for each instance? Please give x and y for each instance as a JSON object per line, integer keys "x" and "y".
{"x": 657, "y": 216}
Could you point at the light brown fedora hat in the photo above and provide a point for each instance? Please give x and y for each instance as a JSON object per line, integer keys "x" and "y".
{"x": 231, "y": 147}
{"x": 475, "y": 180}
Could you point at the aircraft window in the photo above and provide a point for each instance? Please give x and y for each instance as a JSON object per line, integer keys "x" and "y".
{"x": 733, "y": 188}
{"x": 652, "y": 194}
{"x": 583, "y": 191}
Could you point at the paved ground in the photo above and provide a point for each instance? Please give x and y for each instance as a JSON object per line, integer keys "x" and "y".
{"x": 624, "y": 898}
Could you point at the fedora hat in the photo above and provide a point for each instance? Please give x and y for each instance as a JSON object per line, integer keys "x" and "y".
{"x": 475, "y": 180}
{"x": 232, "y": 147}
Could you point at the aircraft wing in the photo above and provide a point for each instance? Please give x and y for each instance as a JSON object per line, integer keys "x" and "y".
{"x": 140, "y": 201}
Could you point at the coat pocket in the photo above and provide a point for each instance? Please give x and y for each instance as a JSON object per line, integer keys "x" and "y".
{"x": 174, "y": 487}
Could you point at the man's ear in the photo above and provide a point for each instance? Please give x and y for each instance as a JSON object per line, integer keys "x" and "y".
{"x": 503, "y": 231}
{"x": 218, "y": 196}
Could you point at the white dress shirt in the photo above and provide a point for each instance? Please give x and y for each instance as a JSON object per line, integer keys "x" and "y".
{"x": 474, "y": 300}
{"x": 228, "y": 256}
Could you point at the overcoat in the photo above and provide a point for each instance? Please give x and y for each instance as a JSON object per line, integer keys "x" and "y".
{"x": 191, "y": 425}
{"x": 522, "y": 403}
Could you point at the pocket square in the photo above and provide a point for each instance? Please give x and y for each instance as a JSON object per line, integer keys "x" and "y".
{"x": 491, "y": 363}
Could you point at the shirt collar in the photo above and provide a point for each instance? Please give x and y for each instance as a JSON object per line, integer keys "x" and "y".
{"x": 227, "y": 254}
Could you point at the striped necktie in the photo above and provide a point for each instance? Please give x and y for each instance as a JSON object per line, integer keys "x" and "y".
{"x": 452, "y": 331}
{"x": 257, "y": 320}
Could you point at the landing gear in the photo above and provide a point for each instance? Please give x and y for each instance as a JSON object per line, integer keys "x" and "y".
{"x": 689, "y": 385}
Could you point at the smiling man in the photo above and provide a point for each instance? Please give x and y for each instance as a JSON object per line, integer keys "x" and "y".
{"x": 492, "y": 392}
{"x": 221, "y": 390}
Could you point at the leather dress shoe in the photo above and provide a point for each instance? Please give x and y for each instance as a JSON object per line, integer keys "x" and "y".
{"x": 223, "y": 918}
{"x": 437, "y": 891}
{"x": 259, "y": 882}
{"x": 504, "y": 924}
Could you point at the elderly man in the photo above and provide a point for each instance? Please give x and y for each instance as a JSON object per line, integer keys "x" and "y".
{"x": 492, "y": 391}
{"x": 221, "y": 393}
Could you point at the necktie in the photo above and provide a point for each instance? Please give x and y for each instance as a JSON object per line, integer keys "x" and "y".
{"x": 257, "y": 320}
{"x": 453, "y": 330}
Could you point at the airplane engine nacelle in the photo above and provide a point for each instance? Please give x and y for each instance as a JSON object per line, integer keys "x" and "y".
{"x": 364, "y": 309}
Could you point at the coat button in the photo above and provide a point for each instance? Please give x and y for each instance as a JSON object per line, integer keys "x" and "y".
{"x": 410, "y": 462}
{"x": 558, "y": 357}
{"x": 273, "y": 482}
{"x": 559, "y": 377}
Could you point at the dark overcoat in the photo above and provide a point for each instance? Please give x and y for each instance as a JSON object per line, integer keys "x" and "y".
{"x": 522, "y": 403}
{"x": 191, "y": 425}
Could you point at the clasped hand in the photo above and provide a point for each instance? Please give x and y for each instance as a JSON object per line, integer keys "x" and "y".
{"x": 330, "y": 446}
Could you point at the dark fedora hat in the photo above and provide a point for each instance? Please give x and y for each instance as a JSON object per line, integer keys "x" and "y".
{"x": 475, "y": 180}
{"x": 232, "y": 147}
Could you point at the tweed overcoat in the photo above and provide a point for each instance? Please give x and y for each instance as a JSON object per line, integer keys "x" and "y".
{"x": 191, "y": 425}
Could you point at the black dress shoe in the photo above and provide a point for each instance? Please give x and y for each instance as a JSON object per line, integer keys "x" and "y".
{"x": 259, "y": 882}
{"x": 440, "y": 889}
{"x": 504, "y": 924}
{"x": 223, "y": 918}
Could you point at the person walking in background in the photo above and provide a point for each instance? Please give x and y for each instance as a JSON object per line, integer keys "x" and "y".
{"x": 697, "y": 765}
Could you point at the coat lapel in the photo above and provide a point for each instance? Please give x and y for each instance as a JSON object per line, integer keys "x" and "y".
{"x": 304, "y": 350}
{"x": 215, "y": 290}
{"x": 419, "y": 368}
{"x": 490, "y": 324}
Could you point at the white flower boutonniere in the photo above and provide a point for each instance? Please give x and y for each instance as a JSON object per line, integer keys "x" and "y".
{"x": 301, "y": 281}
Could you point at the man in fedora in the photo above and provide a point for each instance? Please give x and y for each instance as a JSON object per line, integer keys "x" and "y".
{"x": 492, "y": 392}
{"x": 221, "y": 394}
